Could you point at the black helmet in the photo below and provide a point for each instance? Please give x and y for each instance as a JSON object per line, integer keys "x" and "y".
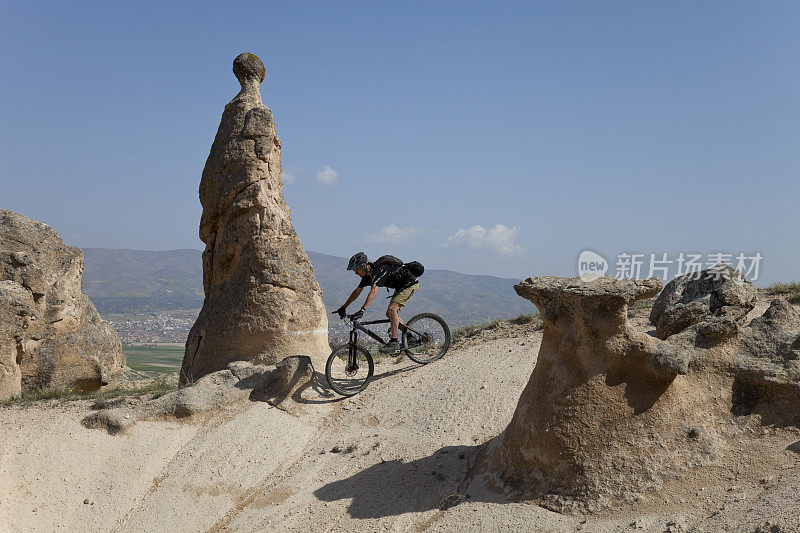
{"x": 357, "y": 260}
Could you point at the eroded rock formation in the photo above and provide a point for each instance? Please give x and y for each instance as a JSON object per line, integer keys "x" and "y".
{"x": 240, "y": 381}
{"x": 262, "y": 301}
{"x": 17, "y": 311}
{"x": 291, "y": 377}
{"x": 719, "y": 292}
{"x": 610, "y": 411}
{"x": 49, "y": 327}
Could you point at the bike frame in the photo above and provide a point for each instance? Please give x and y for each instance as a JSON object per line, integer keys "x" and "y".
{"x": 359, "y": 326}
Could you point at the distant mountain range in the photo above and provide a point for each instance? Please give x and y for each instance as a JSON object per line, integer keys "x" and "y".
{"x": 135, "y": 281}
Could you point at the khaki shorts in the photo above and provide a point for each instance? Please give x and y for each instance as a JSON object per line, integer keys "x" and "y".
{"x": 401, "y": 298}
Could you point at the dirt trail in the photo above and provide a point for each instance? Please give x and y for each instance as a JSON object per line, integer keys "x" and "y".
{"x": 404, "y": 444}
{"x": 387, "y": 459}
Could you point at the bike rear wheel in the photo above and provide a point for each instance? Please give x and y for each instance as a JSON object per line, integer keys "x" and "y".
{"x": 427, "y": 338}
{"x": 345, "y": 376}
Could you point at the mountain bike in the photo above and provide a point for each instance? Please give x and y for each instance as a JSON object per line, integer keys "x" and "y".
{"x": 426, "y": 338}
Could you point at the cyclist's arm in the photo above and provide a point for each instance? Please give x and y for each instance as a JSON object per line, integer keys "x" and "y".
{"x": 353, "y": 296}
{"x": 370, "y": 296}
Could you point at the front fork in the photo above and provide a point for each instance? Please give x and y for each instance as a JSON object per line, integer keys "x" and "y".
{"x": 352, "y": 354}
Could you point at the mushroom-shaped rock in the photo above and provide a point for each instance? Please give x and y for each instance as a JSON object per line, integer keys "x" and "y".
{"x": 610, "y": 411}
{"x": 598, "y": 407}
{"x": 262, "y": 300}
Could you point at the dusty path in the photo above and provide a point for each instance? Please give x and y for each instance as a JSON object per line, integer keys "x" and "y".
{"x": 387, "y": 459}
{"x": 407, "y": 442}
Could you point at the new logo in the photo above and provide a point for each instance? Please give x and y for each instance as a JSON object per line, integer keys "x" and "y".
{"x": 591, "y": 265}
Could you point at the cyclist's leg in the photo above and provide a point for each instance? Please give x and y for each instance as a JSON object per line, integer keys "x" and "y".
{"x": 398, "y": 301}
{"x": 394, "y": 318}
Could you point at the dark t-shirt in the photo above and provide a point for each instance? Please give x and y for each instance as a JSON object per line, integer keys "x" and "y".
{"x": 379, "y": 276}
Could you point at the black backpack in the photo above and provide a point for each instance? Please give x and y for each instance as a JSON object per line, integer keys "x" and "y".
{"x": 403, "y": 275}
{"x": 386, "y": 260}
{"x": 415, "y": 267}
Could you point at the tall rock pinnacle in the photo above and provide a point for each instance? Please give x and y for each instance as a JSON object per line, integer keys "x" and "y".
{"x": 262, "y": 301}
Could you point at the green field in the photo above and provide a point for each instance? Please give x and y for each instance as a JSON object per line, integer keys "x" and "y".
{"x": 154, "y": 358}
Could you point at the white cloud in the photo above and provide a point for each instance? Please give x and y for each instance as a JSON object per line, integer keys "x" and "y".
{"x": 499, "y": 238}
{"x": 290, "y": 174}
{"x": 393, "y": 234}
{"x": 327, "y": 175}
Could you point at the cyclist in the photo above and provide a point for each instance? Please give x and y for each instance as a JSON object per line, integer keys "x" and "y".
{"x": 387, "y": 271}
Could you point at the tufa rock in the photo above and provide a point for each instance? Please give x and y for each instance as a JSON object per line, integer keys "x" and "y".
{"x": 291, "y": 376}
{"x": 262, "y": 301}
{"x": 213, "y": 391}
{"x": 595, "y": 377}
{"x": 719, "y": 292}
{"x": 767, "y": 361}
{"x": 17, "y": 312}
{"x": 67, "y": 345}
{"x": 610, "y": 412}
{"x": 240, "y": 381}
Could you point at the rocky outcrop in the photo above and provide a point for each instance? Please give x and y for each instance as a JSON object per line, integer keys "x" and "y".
{"x": 291, "y": 377}
{"x": 767, "y": 361}
{"x": 610, "y": 411}
{"x": 262, "y": 301}
{"x": 720, "y": 294}
{"x": 240, "y": 381}
{"x": 595, "y": 376}
{"x": 59, "y": 339}
{"x": 17, "y": 311}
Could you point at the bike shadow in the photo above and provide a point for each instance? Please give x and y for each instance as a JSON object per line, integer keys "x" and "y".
{"x": 323, "y": 394}
{"x": 396, "y": 487}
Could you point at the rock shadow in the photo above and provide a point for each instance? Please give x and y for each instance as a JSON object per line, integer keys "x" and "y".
{"x": 327, "y": 395}
{"x": 641, "y": 390}
{"x": 778, "y": 404}
{"x": 323, "y": 392}
{"x": 395, "y": 487}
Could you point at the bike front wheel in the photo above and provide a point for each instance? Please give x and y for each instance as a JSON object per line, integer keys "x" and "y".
{"x": 426, "y": 338}
{"x": 349, "y": 374}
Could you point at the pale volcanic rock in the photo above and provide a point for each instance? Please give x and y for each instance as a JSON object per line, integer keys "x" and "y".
{"x": 290, "y": 378}
{"x": 17, "y": 311}
{"x": 262, "y": 300}
{"x": 611, "y": 412}
{"x": 718, "y": 293}
{"x": 593, "y": 374}
{"x": 280, "y": 385}
{"x": 64, "y": 342}
{"x": 768, "y": 363}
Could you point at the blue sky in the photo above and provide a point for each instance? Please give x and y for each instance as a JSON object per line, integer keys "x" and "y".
{"x": 497, "y": 138}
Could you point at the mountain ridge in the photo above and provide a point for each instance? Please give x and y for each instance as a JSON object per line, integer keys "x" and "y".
{"x": 140, "y": 281}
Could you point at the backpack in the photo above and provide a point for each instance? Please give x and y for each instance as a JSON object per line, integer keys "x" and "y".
{"x": 402, "y": 274}
{"x": 386, "y": 260}
{"x": 415, "y": 267}
{"x": 405, "y": 275}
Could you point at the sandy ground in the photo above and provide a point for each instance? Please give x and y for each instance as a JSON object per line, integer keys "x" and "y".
{"x": 390, "y": 459}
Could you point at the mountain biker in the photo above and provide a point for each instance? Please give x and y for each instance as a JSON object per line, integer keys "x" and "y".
{"x": 387, "y": 271}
